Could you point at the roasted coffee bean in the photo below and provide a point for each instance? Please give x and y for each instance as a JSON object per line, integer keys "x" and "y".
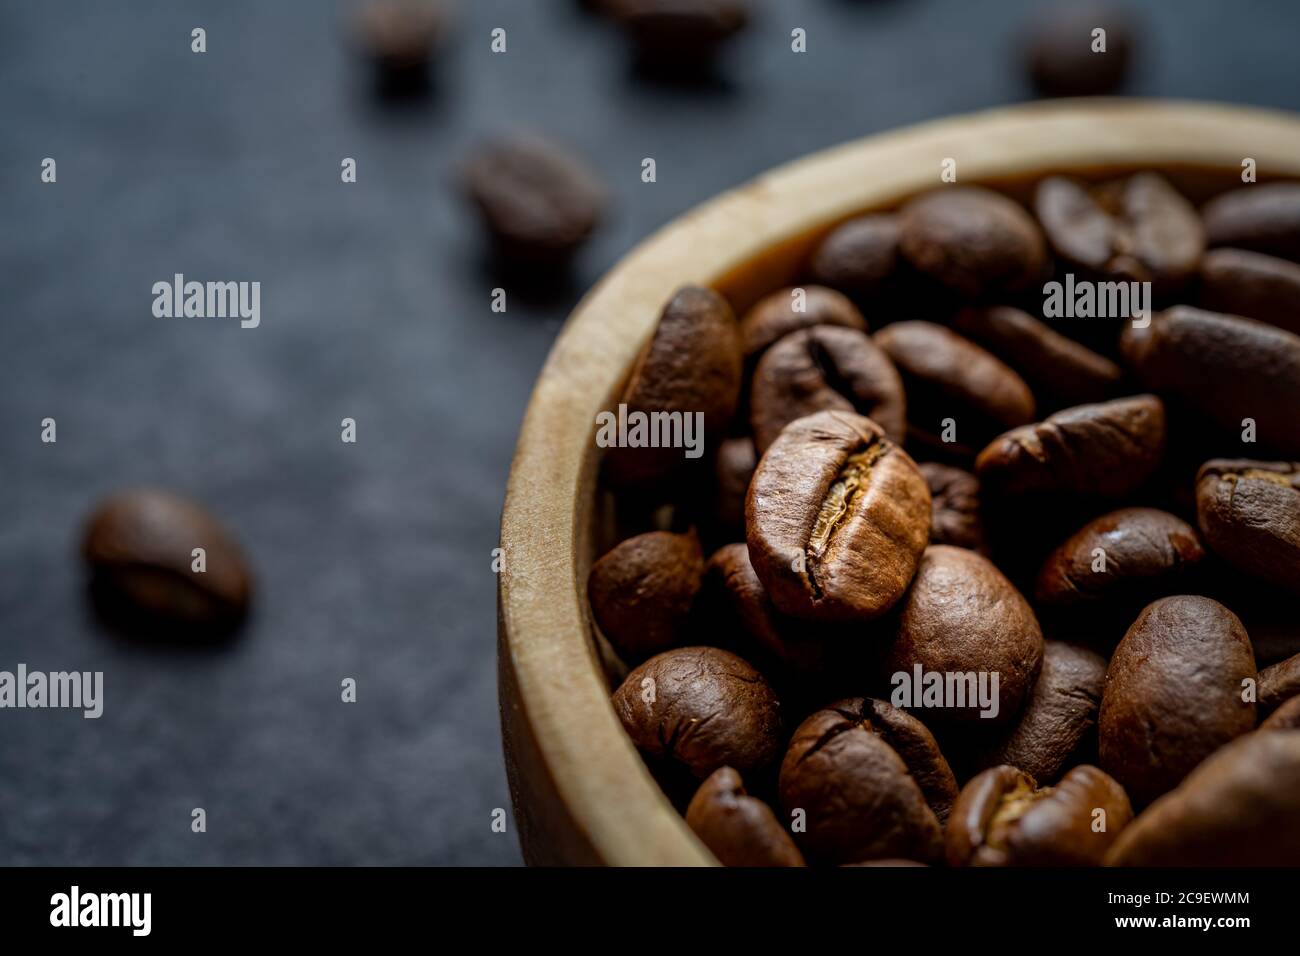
{"x": 825, "y": 368}
{"x": 836, "y": 518}
{"x": 1058, "y": 726}
{"x": 891, "y": 863}
{"x": 1124, "y": 558}
{"x": 1226, "y": 367}
{"x": 140, "y": 547}
{"x": 679, "y": 36}
{"x": 1238, "y": 282}
{"x": 949, "y": 378}
{"x": 973, "y": 241}
{"x": 775, "y": 316}
{"x": 954, "y": 506}
{"x": 702, "y": 708}
{"x": 858, "y": 257}
{"x": 1004, "y": 818}
{"x": 1249, "y": 512}
{"x": 1052, "y": 364}
{"x": 1137, "y": 230}
{"x": 1286, "y": 717}
{"x": 733, "y": 469}
{"x": 1173, "y": 694}
{"x": 962, "y": 617}
{"x": 1109, "y": 449}
{"x": 1260, "y": 218}
{"x": 1062, "y": 56}
{"x": 1238, "y": 808}
{"x": 399, "y": 37}
{"x": 860, "y": 798}
{"x": 739, "y": 829}
{"x": 1278, "y": 684}
{"x": 691, "y": 365}
{"x": 643, "y": 591}
{"x": 538, "y": 202}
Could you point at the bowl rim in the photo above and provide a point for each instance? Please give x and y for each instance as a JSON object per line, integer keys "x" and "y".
{"x": 553, "y": 691}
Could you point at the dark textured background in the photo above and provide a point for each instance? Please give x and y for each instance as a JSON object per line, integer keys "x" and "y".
{"x": 372, "y": 559}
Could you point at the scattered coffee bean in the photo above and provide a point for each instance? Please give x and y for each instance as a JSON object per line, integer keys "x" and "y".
{"x": 733, "y": 469}
{"x": 1226, "y": 367}
{"x": 973, "y": 241}
{"x": 1173, "y": 696}
{"x": 1238, "y": 808}
{"x": 703, "y": 708}
{"x": 679, "y": 36}
{"x": 538, "y": 202}
{"x": 1063, "y": 56}
{"x": 1286, "y": 717}
{"x": 1052, "y": 364}
{"x": 825, "y": 368}
{"x": 399, "y": 37}
{"x": 1259, "y": 218}
{"x": 643, "y": 591}
{"x": 858, "y": 257}
{"x": 858, "y": 795}
{"x": 836, "y": 518}
{"x": 954, "y": 506}
{"x": 775, "y": 316}
{"x": 691, "y": 364}
{"x": 1278, "y": 684}
{"x": 1109, "y": 449}
{"x": 737, "y": 828}
{"x": 1003, "y": 818}
{"x": 1124, "y": 559}
{"x": 1138, "y": 230}
{"x": 1249, "y": 512}
{"x": 1238, "y": 282}
{"x": 958, "y": 395}
{"x": 962, "y": 616}
{"x": 1058, "y": 727}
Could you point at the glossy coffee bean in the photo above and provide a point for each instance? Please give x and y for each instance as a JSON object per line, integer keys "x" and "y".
{"x": 691, "y": 364}
{"x": 858, "y": 257}
{"x": 733, "y": 469}
{"x": 642, "y": 592}
{"x": 973, "y": 241}
{"x": 947, "y": 377}
{"x": 1249, "y": 512}
{"x": 777, "y": 315}
{"x": 1173, "y": 694}
{"x": 1238, "y": 808}
{"x": 954, "y": 506}
{"x": 1237, "y": 282}
{"x": 1052, "y": 364}
{"x": 140, "y": 545}
{"x": 1226, "y": 368}
{"x": 1058, "y": 726}
{"x": 1060, "y": 56}
{"x": 1127, "y": 557}
{"x": 858, "y": 795}
{"x": 1279, "y": 683}
{"x": 679, "y": 36}
{"x": 740, "y": 830}
{"x": 1003, "y": 818}
{"x": 701, "y": 708}
{"x": 825, "y": 368}
{"x": 1138, "y": 230}
{"x": 538, "y": 202}
{"x": 836, "y": 518}
{"x": 1257, "y": 217}
{"x": 1286, "y": 717}
{"x": 1109, "y": 449}
{"x": 962, "y": 615}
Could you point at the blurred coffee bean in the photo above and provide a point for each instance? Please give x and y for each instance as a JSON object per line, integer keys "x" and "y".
{"x": 1238, "y": 282}
{"x": 733, "y": 470}
{"x": 1257, "y": 217}
{"x": 858, "y": 257}
{"x": 954, "y": 506}
{"x": 140, "y": 547}
{"x": 538, "y": 202}
{"x": 643, "y": 591}
{"x": 1278, "y": 684}
{"x": 679, "y": 37}
{"x": 776, "y": 315}
{"x": 1063, "y": 51}
{"x": 399, "y": 37}
{"x": 1249, "y": 512}
{"x": 1286, "y": 717}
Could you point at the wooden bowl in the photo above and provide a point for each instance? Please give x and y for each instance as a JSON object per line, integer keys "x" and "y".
{"x": 581, "y": 793}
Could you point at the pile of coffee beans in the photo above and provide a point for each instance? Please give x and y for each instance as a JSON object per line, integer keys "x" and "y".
{"x": 954, "y": 575}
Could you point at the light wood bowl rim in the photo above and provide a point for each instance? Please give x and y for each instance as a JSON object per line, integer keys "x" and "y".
{"x": 608, "y": 796}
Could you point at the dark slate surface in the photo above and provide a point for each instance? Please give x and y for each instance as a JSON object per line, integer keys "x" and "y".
{"x": 372, "y": 559}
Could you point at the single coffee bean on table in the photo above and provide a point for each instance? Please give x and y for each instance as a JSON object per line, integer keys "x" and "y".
{"x": 679, "y": 37}
{"x": 1065, "y": 56}
{"x": 400, "y": 37}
